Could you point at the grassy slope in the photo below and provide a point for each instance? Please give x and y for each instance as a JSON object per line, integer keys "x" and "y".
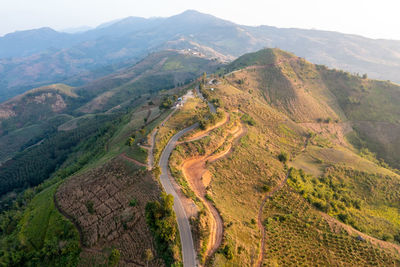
{"x": 278, "y": 98}
{"x": 373, "y": 108}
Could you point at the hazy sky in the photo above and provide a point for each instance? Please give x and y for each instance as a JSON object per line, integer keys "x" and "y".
{"x": 376, "y": 19}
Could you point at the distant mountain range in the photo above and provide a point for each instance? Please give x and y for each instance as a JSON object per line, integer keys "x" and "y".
{"x": 38, "y": 57}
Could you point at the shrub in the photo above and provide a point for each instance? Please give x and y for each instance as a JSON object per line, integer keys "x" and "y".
{"x": 115, "y": 255}
{"x": 343, "y": 217}
{"x": 396, "y": 237}
{"x": 89, "y": 206}
{"x": 283, "y": 157}
{"x": 266, "y": 188}
{"x": 227, "y": 251}
{"x": 133, "y": 202}
{"x": 248, "y": 119}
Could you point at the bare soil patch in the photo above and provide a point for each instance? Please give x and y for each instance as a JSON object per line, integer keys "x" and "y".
{"x": 195, "y": 171}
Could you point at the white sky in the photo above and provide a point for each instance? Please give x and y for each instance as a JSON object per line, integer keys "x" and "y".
{"x": 375, "y": 19}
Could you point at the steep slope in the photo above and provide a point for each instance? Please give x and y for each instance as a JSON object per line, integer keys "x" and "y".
{"x": 314, "y": 94}
{"x": 341, "y": 209}
{"x": 158, "y": 71}
{"x": 288, "y": 83}
{"x": 372, "y": 107}
{"x": 132, "y": 38}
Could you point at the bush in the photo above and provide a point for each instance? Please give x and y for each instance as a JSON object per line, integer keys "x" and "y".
{"x": 396, "y": 237}
{"x": 89, "y": 206}
{"x": 343, "y": 217}
{"x": 283, "y": 157}
{"x": 266, "y": 188}
{"x": 248, "y": 119}
{"x": 228, "y": 252}
{"x": 115, "y": 255}
{"x": 133, "y": 202}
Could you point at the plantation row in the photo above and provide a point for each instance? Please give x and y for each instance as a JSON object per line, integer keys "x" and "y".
{"x": 34, "y": 165}
{"x": 297, "y": 235}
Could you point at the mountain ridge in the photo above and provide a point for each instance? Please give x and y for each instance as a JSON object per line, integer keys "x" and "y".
{"x": 134, "y": 37}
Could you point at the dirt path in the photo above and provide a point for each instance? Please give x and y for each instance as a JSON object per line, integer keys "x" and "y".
{"x": 195, "y": 172}
{"x": 123, "y": 155}
{"x": 336, "y": 224}
{"x": 204, "y": 133}
{"x": 260, "y": 213}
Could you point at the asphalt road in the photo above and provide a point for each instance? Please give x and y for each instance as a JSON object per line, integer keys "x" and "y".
{"x": 188, "y": 251}
{"x": 211, "y": 106}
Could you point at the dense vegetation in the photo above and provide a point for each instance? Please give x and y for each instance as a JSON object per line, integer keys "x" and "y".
{"x": 33, "y": 232}
{"x": 161, "y": 219}
{"x": 33, "y": 165}
{"x": 37, "y": 234}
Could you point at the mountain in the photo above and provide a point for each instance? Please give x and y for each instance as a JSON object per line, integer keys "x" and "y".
{"x": 310, "y": 93}
{"x": 61, "y": 56}
{"x": 290, "y": 172}
{"x": 26, "y": 43}
{"x": 77, "y": 29}
{"x": 286, "y": 170}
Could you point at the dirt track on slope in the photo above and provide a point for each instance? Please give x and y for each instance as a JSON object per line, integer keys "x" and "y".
{"x": 260, "y": 213}
{"x": 335, "y": 225}
{"x": 195, "y": 172}
{"x": 204, "y": 133}
{"x": 133, "y": 160}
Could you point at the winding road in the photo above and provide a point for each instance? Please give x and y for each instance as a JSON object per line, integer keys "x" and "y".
{"x": 211, "y": 106}
{"x": 188, "y": 251}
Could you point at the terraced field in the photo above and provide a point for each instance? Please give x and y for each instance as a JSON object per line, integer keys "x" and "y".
{"x": 107, "y": 205}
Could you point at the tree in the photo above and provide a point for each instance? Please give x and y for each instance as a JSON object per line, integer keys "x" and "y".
{"x": 365, "y": 76}
{"x": 148, "y": 256}
{"x": 204, "y": 77}
{"x": 283, "y": 157}
{"x": 131, "y": 141}
{"x": 115, "y": 255}
{"x": 161, "y": 219}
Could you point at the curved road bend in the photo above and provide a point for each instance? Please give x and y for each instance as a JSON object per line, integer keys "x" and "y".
{"x": 188, "y": 251}
{"x": 211, "y": 106}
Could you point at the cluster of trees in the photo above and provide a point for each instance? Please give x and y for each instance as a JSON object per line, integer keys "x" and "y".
{"x": 62, "y": 249}
{"x": 33, "y": 165}
{"x": 168, "y": 101}
{"x": 161, "y": 220}
{"x": 248, "y": 119}
{"x": 210, "y": 119}
{"x": 326, "y": 194}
